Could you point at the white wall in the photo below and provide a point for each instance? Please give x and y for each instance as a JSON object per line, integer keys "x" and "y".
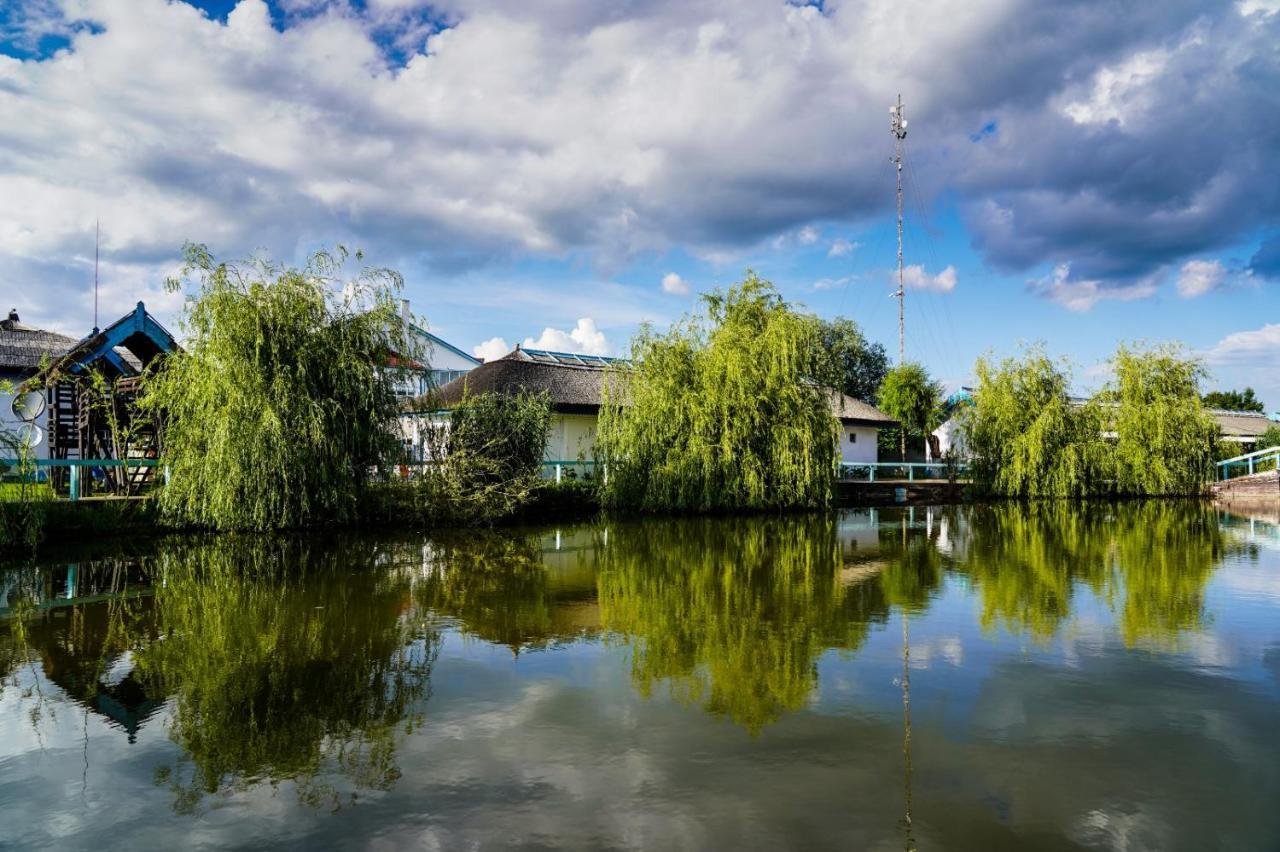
{"x": 858, "y": 444}
{"x": 572, "y": 438}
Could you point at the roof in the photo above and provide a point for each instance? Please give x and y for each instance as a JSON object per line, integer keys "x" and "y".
{"x": 846, "y": 409}
{"x": 127, "y": 345}
{"x": 442, "y": 343}
{"x": 1241, "y": 424}
{"x": 24, "y": 349}
{"x": 567, "y": 359}
{"x": 579, "y": 387}
{"x": 572, "y": 388}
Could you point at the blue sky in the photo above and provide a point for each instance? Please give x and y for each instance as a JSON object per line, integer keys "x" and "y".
{"x": 1078, "y": 173}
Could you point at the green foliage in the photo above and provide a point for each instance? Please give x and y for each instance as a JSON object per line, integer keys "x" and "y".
{"x": 852, "y": 365}
{"x": 908, "y": 395}
{"x": 282, "y": 404}
{"x": 1270, "y": 437}
{"x": 1234, "y": 400}
{"x": 1164, "y": 438}
{"x": 1145, "y": 433}
{"x": 721, "y": 412}
{"x": 484, "y": 463}
{"x": 1025, "y": 436}
{"x": 508, "y": 432}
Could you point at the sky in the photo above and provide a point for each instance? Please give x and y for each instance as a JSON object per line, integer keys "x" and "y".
{"x": 555, "y": 173}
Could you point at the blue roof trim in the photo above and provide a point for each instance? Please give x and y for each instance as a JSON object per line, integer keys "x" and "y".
{"x": 102, "y": 344}
{"x": 446, "y": 344}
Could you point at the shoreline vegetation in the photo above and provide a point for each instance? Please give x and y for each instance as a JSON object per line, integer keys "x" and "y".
{"x": 281, "y": 412}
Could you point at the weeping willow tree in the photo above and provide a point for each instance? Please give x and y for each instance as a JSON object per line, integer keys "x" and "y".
{"x": 1146, "y": 433}
{"x": 911, "y": 397}
{"x": 282, "y": 403}
{"x": 721, "y": 413}
{"x": 1026, "y": 437}
{"x": 1164, "y": 437}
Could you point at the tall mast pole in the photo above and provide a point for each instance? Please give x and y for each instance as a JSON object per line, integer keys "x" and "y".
{"x": 898, "y": 126}
{"x": 96, "y": 232}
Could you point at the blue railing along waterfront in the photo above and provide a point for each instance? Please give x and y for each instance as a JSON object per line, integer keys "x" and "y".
{"x": 74, "y": 467}
{"x": 1249, "y": 463}
{"x": 910, "y": 471}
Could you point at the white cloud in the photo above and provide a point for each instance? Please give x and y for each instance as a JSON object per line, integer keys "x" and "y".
{"x": 1082, "y": 294}
{"x": 1120, "y": 90}
{"x": 842, "y": 247}
{"x": 1199, "y": 277}
{"x": 492, "y": 349}
{"x": 832, "y": 283}
{"x": 615, "y": 130}
{"x": 1259, "y": 348}
{"x": 675, "y": 285}
{"x": 915, "y": 278}
{"x": 584, "y": 338}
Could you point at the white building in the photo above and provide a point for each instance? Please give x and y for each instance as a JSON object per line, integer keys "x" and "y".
{"x": 575, "y": 385}
{"x": 23, "y": 351}
{"x": 439, "y": 362}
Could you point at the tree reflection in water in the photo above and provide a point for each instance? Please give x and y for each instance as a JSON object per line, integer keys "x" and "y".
{"x": 732, "y": 613}
{"x": 1150, "y": 560}
{"x": 287, "y": 661}
{"x": 302, "y": 660}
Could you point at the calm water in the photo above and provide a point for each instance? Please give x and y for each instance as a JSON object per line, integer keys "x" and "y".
{"x": 985, "y": 678}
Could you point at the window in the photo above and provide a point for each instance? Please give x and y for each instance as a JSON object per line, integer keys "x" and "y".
{"x": 853, "y": 437}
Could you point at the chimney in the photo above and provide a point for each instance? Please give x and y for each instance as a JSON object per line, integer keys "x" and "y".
{"x": 405, "y": 315}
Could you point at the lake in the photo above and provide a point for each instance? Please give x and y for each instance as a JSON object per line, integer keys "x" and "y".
{"x": 985, "y": 677}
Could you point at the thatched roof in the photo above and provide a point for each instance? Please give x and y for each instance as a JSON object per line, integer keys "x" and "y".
{"x": 846, "y": 409}
{"x": 23, "y": 349}
{"x": 572, "y": 389}
{"x": 578, "y": 388}
{"x": 1241, "y": 424}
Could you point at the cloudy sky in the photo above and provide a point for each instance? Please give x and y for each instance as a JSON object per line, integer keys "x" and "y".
{"x": 556, "y": 172}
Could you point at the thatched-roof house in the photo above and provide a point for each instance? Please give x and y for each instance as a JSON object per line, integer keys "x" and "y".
{"x": 24, "y": 349}
{"x": 575, "y": 385}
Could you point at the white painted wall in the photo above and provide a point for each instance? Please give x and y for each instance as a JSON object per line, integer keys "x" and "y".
{"x": 858, "y": 444}
{"x": 950, "y": 437}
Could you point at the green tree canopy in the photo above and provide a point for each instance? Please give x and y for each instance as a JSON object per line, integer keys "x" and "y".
{"x": 1234, "y": 400}
{"x": 282, "y": 402}
{"x": 912, "y": 397}
{"x": 1164, "y": 438}
{"x": 854, "y": 366}
{"x": 1026, "y": 437}
{"x": 721, "y": 412}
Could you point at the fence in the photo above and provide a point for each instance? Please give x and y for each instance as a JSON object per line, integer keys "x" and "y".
{"x": 562, "y": 470}
{"x": 898, "y": 471}
{"x": 1249, "y": 463}
{"x": 81, "y": 474}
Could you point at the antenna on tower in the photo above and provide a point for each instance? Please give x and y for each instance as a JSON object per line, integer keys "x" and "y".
{"x": 96, "y": 232}
{"x": 898, "y": 126}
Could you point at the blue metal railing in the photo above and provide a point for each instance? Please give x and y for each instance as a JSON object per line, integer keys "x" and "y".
{"x": 910, "y": 471}
{"x": 1249, "y": 463}
{"x": 75, "y": 467}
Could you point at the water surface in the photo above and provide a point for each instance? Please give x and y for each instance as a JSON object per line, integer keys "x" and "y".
{"x": 1001, "y": 677}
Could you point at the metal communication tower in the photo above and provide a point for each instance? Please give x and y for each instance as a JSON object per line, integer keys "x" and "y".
{"x": 898, "y": 126}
